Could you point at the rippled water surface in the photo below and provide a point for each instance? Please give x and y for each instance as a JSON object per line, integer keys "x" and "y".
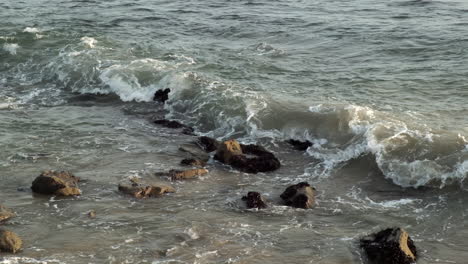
{"x": 378, "y": 87}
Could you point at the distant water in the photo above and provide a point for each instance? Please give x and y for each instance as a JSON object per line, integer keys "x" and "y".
{"x": 379, "y": 88}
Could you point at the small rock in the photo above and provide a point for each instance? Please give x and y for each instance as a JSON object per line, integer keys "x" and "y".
{"x": 91, "y": 214}
{"x": 56, "y": 183}
{"x": 227, "y": 150}
{"x": 174, "y": 125}
{"x": 5, "y": 213}
{"x": 300, "y": 145}
{"x": 300, "y": 195}
{"x": 144, "y": 190}
{"x": 187, "y": 174}
{"x": 10, "y": 242}
{"x": 193, "y": 162}
{"x": 208, "y": 144}
{"x": 162, "y": 95}
{"x": 254, "y": 200}
{"x": 389, "y": 246}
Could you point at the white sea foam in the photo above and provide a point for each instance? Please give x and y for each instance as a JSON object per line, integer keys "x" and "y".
{"x": 31, "y": 30}
{"x": 11, "y": 48}
{"x": 88, "y": 41}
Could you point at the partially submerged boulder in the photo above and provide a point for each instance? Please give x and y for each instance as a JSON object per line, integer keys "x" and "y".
{"x": 246, "y": 158}
{"x": 161, "y": 95}
{"x": 389, "y": 246}
{"x": 140, "y": 189}
{"x": 5, "y": 213}
{"x": 187, "y": 174}
{"x": 193, "y": 162}
{"x": 192, "y": 150}
{"x": 300, "y": 145}
{"x": 208, "y": 144}
{"x": 254, "y": 200}
{"x": 61, "y": 183}
{"x": 174, "y": 125}
{"x": 10, "y": 242}
{"x": 300, "y": 195}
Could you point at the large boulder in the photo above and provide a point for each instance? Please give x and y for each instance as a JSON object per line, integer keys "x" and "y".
{"x": 161, "y": 95}
{"x": 174, "y": 125}
{"x": 389, "y": 246}
{"x": 246, "y": 158}
{"x": 10, "y": 242}
{"x": 208, "y": 144}
{"x": 61, "y": 183}
{"x": 300, "y": 195}
{"x": 141, "y": 189}
{"x": 187, "y": 174}
{"x": 5, "y": 213}
{"x": 254, "y": 200}
{"x": 300, "y": 145}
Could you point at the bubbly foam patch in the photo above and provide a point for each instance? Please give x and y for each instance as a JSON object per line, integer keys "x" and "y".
{"x": 11, "y": 48}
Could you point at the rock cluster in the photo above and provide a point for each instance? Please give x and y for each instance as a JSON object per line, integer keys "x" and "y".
{"x": 142, "y": 189}
{"x": 61, "y": 183}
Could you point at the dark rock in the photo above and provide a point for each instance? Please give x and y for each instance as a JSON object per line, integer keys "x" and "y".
{"x": 247, "y": 158}
{"x": 300, "y": 145}
{"x": 300, "y": 195}
{"x": 194, "y": 151}
{"x": 208, "y": 144}
{"x": 193, "y": 162}
{"x": 187, "y": 174}
{"x": 10, "y": 242}
{"x": 174, "y": 125}
{"x": 254, "y": 200}
{"x": 56, "y": 183}
{"x": 91, "y": 214}
{"x": 140, "y": 189}
{"x": 162, "y": 95}
{"x": 5, "y": 213}
{"x": 389, "y": 246}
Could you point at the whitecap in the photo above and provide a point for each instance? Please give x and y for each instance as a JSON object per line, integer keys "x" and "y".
{"x": 88, "y": 41}
{"x": 11, "y": 48}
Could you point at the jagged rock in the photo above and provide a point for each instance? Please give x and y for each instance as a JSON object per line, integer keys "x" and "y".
{"x": 10, "y": 242}
{"x": 208, "y": 144}
{"x": 174, "y": 125}
{"x": 187, "y": 174}
{"x": 246, "y": 158}
{"x": 254, "y": 200}
{"x": 389, "y": 246}
{"x": 140, "y": 189}
{"x": 300, "y": 195}
{"x": 193, "y": 162}
{"x": 6, "y": 213}
{"x": 300, "y": 145}
{"x": 162, "y": 95}
{"x": 194, "y": 151}
{"x": 56, "y": 183}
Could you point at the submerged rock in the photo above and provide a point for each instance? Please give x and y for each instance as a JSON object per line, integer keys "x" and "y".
{"x": 5, "y": 213}
{"x": 140, "y": 189}
{"x": 208, "y": 144}
{"x": 10, "y": 242}
{"x": 187, "y": 174}
{"x": 194, "y": 151}
{"x": 300, "y": 145}
{"x": 193, "y": 162}
{"x": 300, "y": 195}
{"x": 247, "y": 158}
{"x": 174, "y": 125}
{"x": 161, "y": 95}
{"x": 56, "y": 183}
{"x": 389, "y": 246}
{"x": 254, "y": 200}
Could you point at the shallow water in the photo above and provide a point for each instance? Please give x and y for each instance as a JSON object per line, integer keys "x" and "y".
{"x": 378, "y": 87}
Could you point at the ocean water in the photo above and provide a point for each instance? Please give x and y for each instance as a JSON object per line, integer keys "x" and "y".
{"x": 379, "y": 88}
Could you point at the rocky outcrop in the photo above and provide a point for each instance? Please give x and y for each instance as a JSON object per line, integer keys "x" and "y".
{"x": 300, "y": 195}
{"x": 300, "y": 145}
{"x": 161, "y": 95}
{"x": 208, "y": 144}
{"x": 187, "y": 174}
{"x": 141, "y": 189}
{"x": 254, "y": 200}
{"x": 193, "y": 162}
{"x": 10, "y": 242}
{"x": 389, "y": 246}
{"x": 246, "y": 158}
{"x": 56, "y": 183}
{"x": 5, "y": 213}
{"x": 174, "y": 125}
